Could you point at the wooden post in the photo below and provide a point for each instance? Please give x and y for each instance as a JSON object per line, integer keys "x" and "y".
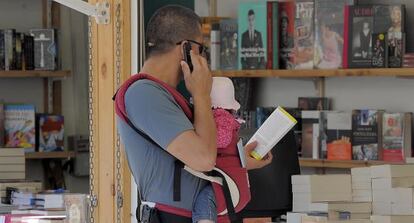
{"x": 104, "y": 129}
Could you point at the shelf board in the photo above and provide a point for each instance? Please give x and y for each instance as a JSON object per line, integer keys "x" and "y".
{"x": 33, "y": 73}
{"x": 340, "y": 164}
{"x": 50, "y": 155}
{"x": 365, "y": 72}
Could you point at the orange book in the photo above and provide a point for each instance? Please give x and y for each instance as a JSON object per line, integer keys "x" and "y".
{"x": 339, "y": 133}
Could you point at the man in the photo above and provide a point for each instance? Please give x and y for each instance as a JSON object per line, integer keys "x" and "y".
{"x": 365, "y": 39}
{"x": 252, "y": 44}
{"x": 154, "y": 111}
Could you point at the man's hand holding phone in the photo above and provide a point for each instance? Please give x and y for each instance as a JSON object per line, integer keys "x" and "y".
{"x": 199, "y": 81}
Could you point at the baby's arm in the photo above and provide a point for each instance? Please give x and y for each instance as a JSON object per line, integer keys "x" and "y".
{"x": 224, "y": 124}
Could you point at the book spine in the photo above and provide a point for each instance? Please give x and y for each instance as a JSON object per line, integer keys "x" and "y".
{"x": 345, "y": 56}
{"x": 29, "y": 52}
{"x": 19, "y": 51}
{"x": 269, "y": 64}
{"x": 2, "y": 51}
{"x": 215, "y": 47}
{"x": 275, "y": 23}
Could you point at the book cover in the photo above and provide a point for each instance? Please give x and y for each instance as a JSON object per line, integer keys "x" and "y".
{"x": 393, "y": 136}
{"x": 389, "y": 18}
{"x": 76, "y": 207}
{"x": 45, "y": 49}
{"x": 275, "y": 31}
{"x": 339, "y": 132}
{"x": 253, "y": 34}
{"x": 229, "y": 44}
{"x": 270, "y": 32}
{"x": 314, "y": 103}
{"x": 19, "y": 51}
{"x": 396, "y": 48}
{"x": 2, "y": 51}
{"x": 286, "y": 30}
{"x": 379, "y": 50}
{"x": 329, "y": 33}
{"x": 49, "y": 133}
{"x": 19, "y": 126}
{"x": 1, "y": 125}
{"x": 310, "y": 134}
{"x": 360, "y": 29}
{"x": 10, "y": 49}
{"x": 28, "y": 52}
{"x": 366, "y": 134}
{"x": 302, "y": 53}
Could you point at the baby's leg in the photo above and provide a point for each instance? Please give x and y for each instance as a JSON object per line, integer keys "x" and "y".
{"x": 205, "y": 209}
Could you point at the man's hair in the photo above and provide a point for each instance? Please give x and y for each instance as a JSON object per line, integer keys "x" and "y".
{"x": 251, "y": 12}
{"x": 169, "y": 25}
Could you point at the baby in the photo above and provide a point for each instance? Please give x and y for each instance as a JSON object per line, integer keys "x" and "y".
{"x": 224, "y": 108}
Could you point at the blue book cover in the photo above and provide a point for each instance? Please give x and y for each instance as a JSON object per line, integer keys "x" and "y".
{"x": 19, "y": 126}
{"x": 229, "y": 44}
{"x": 253, "y": 35}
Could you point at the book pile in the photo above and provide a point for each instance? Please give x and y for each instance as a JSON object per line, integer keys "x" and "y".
{"x": 392, "y": 187}
{"x": 408, "y": 60}
{"x": 12, "y": 164}
{"x": 361, "y": 184}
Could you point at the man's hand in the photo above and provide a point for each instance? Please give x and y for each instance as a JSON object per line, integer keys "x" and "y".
{"x": 252, "y": 163}
{"x": 198, "y": 82}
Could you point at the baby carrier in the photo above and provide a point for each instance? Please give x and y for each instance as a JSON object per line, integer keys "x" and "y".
{"x": 229, "y": 179}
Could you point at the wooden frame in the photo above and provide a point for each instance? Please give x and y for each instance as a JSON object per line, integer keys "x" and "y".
{"x": 104, "y": 129}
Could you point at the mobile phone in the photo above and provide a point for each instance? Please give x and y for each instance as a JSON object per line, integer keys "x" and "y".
{"x": 187, "y": 56}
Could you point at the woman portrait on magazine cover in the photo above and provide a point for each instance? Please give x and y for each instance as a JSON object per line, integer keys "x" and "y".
{"x": 330, "y": 45}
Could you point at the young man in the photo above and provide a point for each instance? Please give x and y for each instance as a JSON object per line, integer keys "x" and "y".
{"x": 154, "y": 111}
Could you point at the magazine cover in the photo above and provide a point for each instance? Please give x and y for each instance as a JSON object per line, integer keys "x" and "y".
{"x": 329, "y": 33}
{"x": 360, "y": 23}
{"x": 396, "y": 48}
{"x": 19, "y": 126}
{"x": 365, "y": 137}
{"x": 379, "y": 50}
{"x": 392, "y": 133}
{"x": 339, "y": 133}
{"x": 314, "y": 103}
{"x": 50, "y": 133}
{"x": 389, "y": 18}
{"x": 228, "y": 47}
{"x": 253, "y": 34}
{"x": 302, "y": 54}
{"x": 287, "y": 30}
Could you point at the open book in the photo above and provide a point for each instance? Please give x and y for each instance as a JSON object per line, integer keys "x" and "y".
{"x": 271, "y": 132}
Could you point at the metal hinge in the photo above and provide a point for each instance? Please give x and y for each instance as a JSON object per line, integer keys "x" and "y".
{"x": 100, "y": 11}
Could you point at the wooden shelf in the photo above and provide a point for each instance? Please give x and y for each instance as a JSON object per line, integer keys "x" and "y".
{"x": 370, "y": 72}
{"x": 50, "y": 155}
{"x": 33, "y": 73}
{"x": 339, "y": 164}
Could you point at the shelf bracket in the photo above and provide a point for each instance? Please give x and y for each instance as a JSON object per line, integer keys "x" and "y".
{"x": 100, "y": 11}
{"x": 319, "y": 84}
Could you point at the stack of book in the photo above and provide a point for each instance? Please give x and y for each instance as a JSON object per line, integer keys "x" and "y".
{"x": 361, "y": 184}
{"x": 17, "y": 185}
{"x": 12, "y": 164}
{"x": 309, "y": 189}
{"x": 392, "y": 187}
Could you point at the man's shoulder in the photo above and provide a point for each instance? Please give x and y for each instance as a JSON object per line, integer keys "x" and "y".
{"x": 145, "y": 88}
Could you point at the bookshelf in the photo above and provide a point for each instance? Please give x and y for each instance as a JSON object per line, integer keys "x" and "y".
{"x": 339, "y": 164}
{"x": 364, "y": 72}
{"x": 50, "y": 155}
{"x": 34, "y": 74}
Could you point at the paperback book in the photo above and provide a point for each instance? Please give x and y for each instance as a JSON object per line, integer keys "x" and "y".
{"x": 302, "y": 54}
{"x": 228, "y": 47}
{"x": 50, "y": 133}
{"x": 287, "y": 31}
{"x": 19, "y": 126}
{"x": 366, "y": 134}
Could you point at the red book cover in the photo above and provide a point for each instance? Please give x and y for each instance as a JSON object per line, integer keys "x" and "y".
{"x": 346, "y": 37}
{"x": 269, "y": 64}
{"x": 393, "y": 137}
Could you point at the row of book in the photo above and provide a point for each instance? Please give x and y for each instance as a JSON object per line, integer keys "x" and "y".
{"x": 21, "y": 127}
{"x": 377, "y": 194}
{"x": 35, "y": 50}
{"x": 12, "y": 164}
{"x": 309, "y": 34}
{"x": 359, "y": 135}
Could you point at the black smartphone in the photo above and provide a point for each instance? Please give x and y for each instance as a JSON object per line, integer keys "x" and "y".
{"x": 187, "y": 56}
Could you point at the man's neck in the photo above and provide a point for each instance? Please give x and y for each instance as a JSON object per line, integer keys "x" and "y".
{"x": 163, "y": 69}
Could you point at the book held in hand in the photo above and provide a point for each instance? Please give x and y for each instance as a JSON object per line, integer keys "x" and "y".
{"x": 271, "y": 132}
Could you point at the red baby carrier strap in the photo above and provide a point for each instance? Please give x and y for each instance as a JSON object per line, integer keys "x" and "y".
{"x": 120, "y": 111}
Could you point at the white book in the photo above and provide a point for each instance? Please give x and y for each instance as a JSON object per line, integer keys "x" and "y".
{"x": 361, "y": 186}
{"x": 12, "y": 175}
{"x": 321, "y": 197}
{"x": 361, "y": 179}
{"x": 315, "y": 141}
{"x": 352, "y": 207}
{"x": 390, "y": 171}
{"x": 362, "y": 199}
{"x": 387, "y": 183}
{"x": 381, "y": 208}
{"x": 361, "y": 171}
{"x": 7, "y": 152}
{"x": 403, "y": 196}
{"x": 385, "y": 195}
{"x": 12, "y": 168}
{"x": 325, "y": 187}
{"x": 362, "y": 193}
{"x": 392, "y": 219}
{"x": 409, "y": 160}
{"x": 271, "y": 132}
{"x": 294, "y": 217}
{"x": 401, "y": 209}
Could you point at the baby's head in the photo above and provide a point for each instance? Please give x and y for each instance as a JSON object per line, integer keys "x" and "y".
{"x": 222, "y": 94}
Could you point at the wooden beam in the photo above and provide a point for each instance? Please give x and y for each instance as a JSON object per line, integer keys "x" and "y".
{"x": 57, "y": 97}
{"x": 55, "y": 15}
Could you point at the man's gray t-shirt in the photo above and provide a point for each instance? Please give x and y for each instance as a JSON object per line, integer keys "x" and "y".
{"x": 153, "y": 110}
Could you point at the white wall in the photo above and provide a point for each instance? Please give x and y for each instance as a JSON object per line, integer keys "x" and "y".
{"x": 23, "y": 15}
